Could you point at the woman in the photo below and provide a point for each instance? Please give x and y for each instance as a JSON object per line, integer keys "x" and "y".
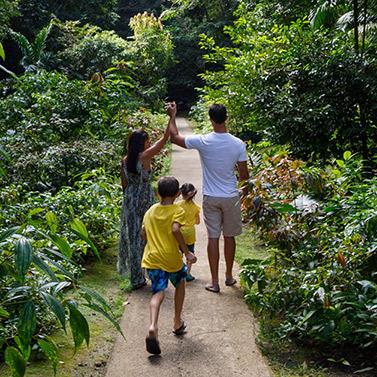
{"x": 138, "y": 196}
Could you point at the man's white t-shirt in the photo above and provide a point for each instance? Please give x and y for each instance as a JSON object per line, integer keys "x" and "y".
{"x": 219, "y": 154}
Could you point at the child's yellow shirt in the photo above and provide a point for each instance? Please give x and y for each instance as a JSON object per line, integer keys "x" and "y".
{"x": 162, "y": 250}
{"x": 192, "y": 210}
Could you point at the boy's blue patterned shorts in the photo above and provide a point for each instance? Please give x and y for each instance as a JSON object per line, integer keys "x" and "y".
{"x": 160, "y": 278}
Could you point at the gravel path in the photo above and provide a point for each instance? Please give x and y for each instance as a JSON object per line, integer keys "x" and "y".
{"x": 220, "y": 338}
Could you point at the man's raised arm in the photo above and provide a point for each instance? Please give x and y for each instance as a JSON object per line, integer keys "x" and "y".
{"x": 175, "y": 137}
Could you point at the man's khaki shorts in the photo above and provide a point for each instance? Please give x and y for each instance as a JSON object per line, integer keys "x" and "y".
{"x": 222, "y": 214}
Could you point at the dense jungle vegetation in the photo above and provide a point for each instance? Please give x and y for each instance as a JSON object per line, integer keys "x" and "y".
{"x": 299, "y": 79}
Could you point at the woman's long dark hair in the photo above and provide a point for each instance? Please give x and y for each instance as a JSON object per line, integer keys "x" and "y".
{"x": 135, "y": 146}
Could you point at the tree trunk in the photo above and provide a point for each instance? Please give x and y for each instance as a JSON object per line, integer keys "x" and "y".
{"x": 356, "y": 24}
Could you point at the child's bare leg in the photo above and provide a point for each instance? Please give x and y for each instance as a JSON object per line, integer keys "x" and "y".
{"x": 179, "y": 298}
{"x": 189, "y": 264}
{"x": 155, "y": 305}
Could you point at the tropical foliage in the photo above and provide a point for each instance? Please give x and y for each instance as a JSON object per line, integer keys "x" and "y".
{"x": 299, "y": 81}
{"x": 64, "y": 129}
{"x": 320, "y": 224}
{"x": 299, "y": 84}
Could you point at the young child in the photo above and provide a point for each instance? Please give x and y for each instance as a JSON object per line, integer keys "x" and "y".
{"x": 162, "y": 257}
{"x": 192, "y": 211}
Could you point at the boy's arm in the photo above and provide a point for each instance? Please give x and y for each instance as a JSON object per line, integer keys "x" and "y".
{"x": 197, "y": 219}
{"x": 176, "y": 228}
{"x": 143, "y": 234}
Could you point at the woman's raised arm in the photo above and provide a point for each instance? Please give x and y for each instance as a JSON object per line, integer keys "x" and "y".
{"x": 154, "y": 149}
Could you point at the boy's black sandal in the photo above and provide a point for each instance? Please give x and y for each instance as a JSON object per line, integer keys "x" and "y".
{"x": 181, "y": 329}
{"x": 153, "y": 345}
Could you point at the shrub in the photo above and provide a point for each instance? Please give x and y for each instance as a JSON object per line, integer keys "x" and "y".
{"x": 320, "y": 282}
{"x": 35, "y": 270}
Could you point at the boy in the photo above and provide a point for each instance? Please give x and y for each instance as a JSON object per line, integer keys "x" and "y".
{"x": 162, "y": 257}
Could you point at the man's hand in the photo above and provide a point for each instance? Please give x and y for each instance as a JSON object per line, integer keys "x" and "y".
{"x": 171, "y": 109}
{"x": 191, "y": 258}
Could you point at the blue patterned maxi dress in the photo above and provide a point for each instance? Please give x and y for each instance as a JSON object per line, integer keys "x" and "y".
{"x": 137, "y": 198}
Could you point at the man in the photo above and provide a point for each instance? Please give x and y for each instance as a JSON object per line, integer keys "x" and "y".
{"x": 220, "y": 153}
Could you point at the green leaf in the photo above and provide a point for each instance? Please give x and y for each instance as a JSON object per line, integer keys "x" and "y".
{"x": 62, "y": 244}
{"x": 340, "y": 163}
{"x": 6, "y": 233}
{"x": 56, "y": 307}
{"x": 52, "y": 221}
{"x": 111, "y": 318}
{"x": 79, "y": 228}
{"x": 35, "y": 211}
{"x": 347, "y": 155}
{"x": 283, "y": 207}
{"x": 15, "y": 361}
{"x": 96, "y": 296}
{"x": 26, "y": 323}
{"x": 4, "y": 313}
{"x": 60, "y": 268}
{"x": 44, "y": 267}
{"x": 23, "y": 256}
{"x": 79, "y": 326}
{"x": 51, "y": 351}
{"x": 24, "y": 348}
{"x": 2, "y": 52}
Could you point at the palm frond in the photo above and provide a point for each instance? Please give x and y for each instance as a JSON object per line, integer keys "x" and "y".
{"x": 325, "y": 14}
{"x": 345, "y": 21}
{"x": 40, "y": 42}
{"x": 328, "y": 13}
{"x": 23, "y": 43}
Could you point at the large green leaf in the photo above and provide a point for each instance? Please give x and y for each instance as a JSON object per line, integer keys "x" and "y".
{"x": 62, "y": 245}
{"x": 59, "y": 267}
{"x": 52, "y": 221}
{"x": 44, "y": 267}
{"x": 106, "y": 314}
{"x": 79, "y": 228}
{"x": 79, "y": 326}
{"x": 56, "y": 306}
{"x": 8, "y": 232}
{"x": 15, "y": 361}
{"x": 24, "y": 348}
{"x": 26, "y": 323}
{"x": 89, "y": 294}
{"x": 23, "y": 256}
{"x": 51, "y": 351}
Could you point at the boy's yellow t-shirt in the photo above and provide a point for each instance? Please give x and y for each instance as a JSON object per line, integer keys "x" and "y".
{"x": 162, "y": 250}
{"x": 191, "y": 211}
